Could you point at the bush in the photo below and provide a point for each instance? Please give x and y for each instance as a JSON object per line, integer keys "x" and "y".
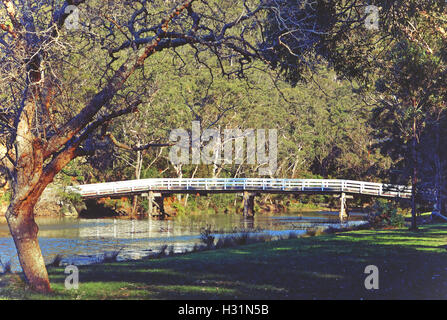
{"x": 242, "y": 237}
{"x": 314, "y": 231}
{"x": 163, "y": 251}
{"x": 69, "y": 196}
{"x": 384, "y": 214}
{"x": 180, "y": 209}
{"x": 206, "y": 236}
{"x": 225, "y": 242}
{"x": 5, "y": 197}
{"x": 6, "y": 266}
{"x": 112, "y": 256}
{"x": 56, "y": 261}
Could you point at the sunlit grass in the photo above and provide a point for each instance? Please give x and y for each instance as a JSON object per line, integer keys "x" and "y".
{"x": 411, "y": 264}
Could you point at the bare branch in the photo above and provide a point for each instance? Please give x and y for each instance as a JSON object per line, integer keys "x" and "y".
{"x": 136, "y": 148}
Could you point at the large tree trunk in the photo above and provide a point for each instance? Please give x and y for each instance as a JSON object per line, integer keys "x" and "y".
{"x": 27, "y": 187}
{"x": 414, "y": 179}
{"x": 438, "y": 172}
{"x": 23, "y": 228}
{"x": 29, "y": 180}
{"x": 36, "y": 158}
{"x": 138, "y": 168}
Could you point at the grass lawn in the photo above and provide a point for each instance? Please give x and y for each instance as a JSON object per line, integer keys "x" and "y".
{"x": 412, "y": 265}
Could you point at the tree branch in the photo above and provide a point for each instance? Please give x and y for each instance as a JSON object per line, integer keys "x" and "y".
{"x": 136, "y": 148}
{"x": 8, "y": 29}
{"x": 9, "y": 5}
{"x": 103, "y": 97}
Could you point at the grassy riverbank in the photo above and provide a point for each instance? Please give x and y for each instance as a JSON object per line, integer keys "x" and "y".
{"x": 411, "y": 265}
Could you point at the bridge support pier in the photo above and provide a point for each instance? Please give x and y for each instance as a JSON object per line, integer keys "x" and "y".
{"x": 343, "y": 211}
{"x": 249, "y": 204}
{"x": 150, "y": 201}
{"x": 159, "y": 201}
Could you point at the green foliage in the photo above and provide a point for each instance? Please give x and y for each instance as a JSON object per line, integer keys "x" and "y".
{"x": 324, "y": 127}
{"x": 385, "y": 214}
{"x": 179, "y": 208}
{"x": 117, "y": 203}
{"x": 211, "y": 204}
{"x": 299, "y": 206}
{"x": 319, "y": 135}
{"x": 207, "y": 237}
{"x": 150, "y": 172}
{"x": 315, "y": 231}
{"x": 69, "y": 196}
{"x": 5, "y": 197}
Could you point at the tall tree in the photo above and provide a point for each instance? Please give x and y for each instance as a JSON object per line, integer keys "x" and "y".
{"x": 400, "y": 61}
{"x": 411, "y": 98}
{"x": 70, "y": 67}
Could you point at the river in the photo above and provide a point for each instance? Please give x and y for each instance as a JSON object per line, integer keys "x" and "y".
{"x": 86, "y": 241}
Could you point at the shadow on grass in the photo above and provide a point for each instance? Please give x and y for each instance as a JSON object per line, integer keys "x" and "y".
{"x": 325, "y": 267}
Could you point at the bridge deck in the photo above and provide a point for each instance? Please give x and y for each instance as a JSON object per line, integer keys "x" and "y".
{"x": 237, "y": 185}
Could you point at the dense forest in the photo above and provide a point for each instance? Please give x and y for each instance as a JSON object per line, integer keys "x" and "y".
{"x": 90, "y": 91}
{"x": 332, "y": 123}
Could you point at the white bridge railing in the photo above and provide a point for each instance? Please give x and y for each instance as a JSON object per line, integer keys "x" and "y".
{"x": 174, "y": 185}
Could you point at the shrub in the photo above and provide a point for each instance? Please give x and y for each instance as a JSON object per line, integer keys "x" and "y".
{"x": 5, "y": 197}
{"x": 206, "y": 236}
{"x": 162, "y": 251}
{"x": 69, "y": 196}
{"x": 170, "y": 251}
{"x": 198, "y": 247}
{"x": 112, "y": 256}
{"x": 260, "y": 238}
{"x": 241, "y": 239}
{"x": 179, "y": 208}
{"x": 384, "y": 214}
{"x": 225, "y": 242}
{"x": 56, "y": 261}
{"x": 6, "y": 267}
{"x": 293, "y": 235}
{"x": 314, "y": 231}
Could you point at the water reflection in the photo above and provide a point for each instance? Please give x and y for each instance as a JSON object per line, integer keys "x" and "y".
{"x": 83, "y": 241}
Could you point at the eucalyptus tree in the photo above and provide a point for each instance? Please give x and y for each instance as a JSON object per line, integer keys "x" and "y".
{"x": 400, "y": 62}
{"x": 411, "y": 97}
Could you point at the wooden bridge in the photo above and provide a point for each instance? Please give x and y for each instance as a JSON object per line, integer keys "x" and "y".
{"x": 157, "y": 189}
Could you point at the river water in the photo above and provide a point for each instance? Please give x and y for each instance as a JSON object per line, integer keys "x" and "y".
{"x": 86, "y": 241}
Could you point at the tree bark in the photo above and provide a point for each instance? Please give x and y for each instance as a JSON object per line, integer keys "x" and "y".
{"x": 33, "y": 162}
{"x": 138, "y": 168}
{"x": 29, "y": 179}
{"x": 23, "y": 228}
{"x": 438, "y": 171}
{"x": 414, "y": 179}
{"x": 27, "y": 188}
